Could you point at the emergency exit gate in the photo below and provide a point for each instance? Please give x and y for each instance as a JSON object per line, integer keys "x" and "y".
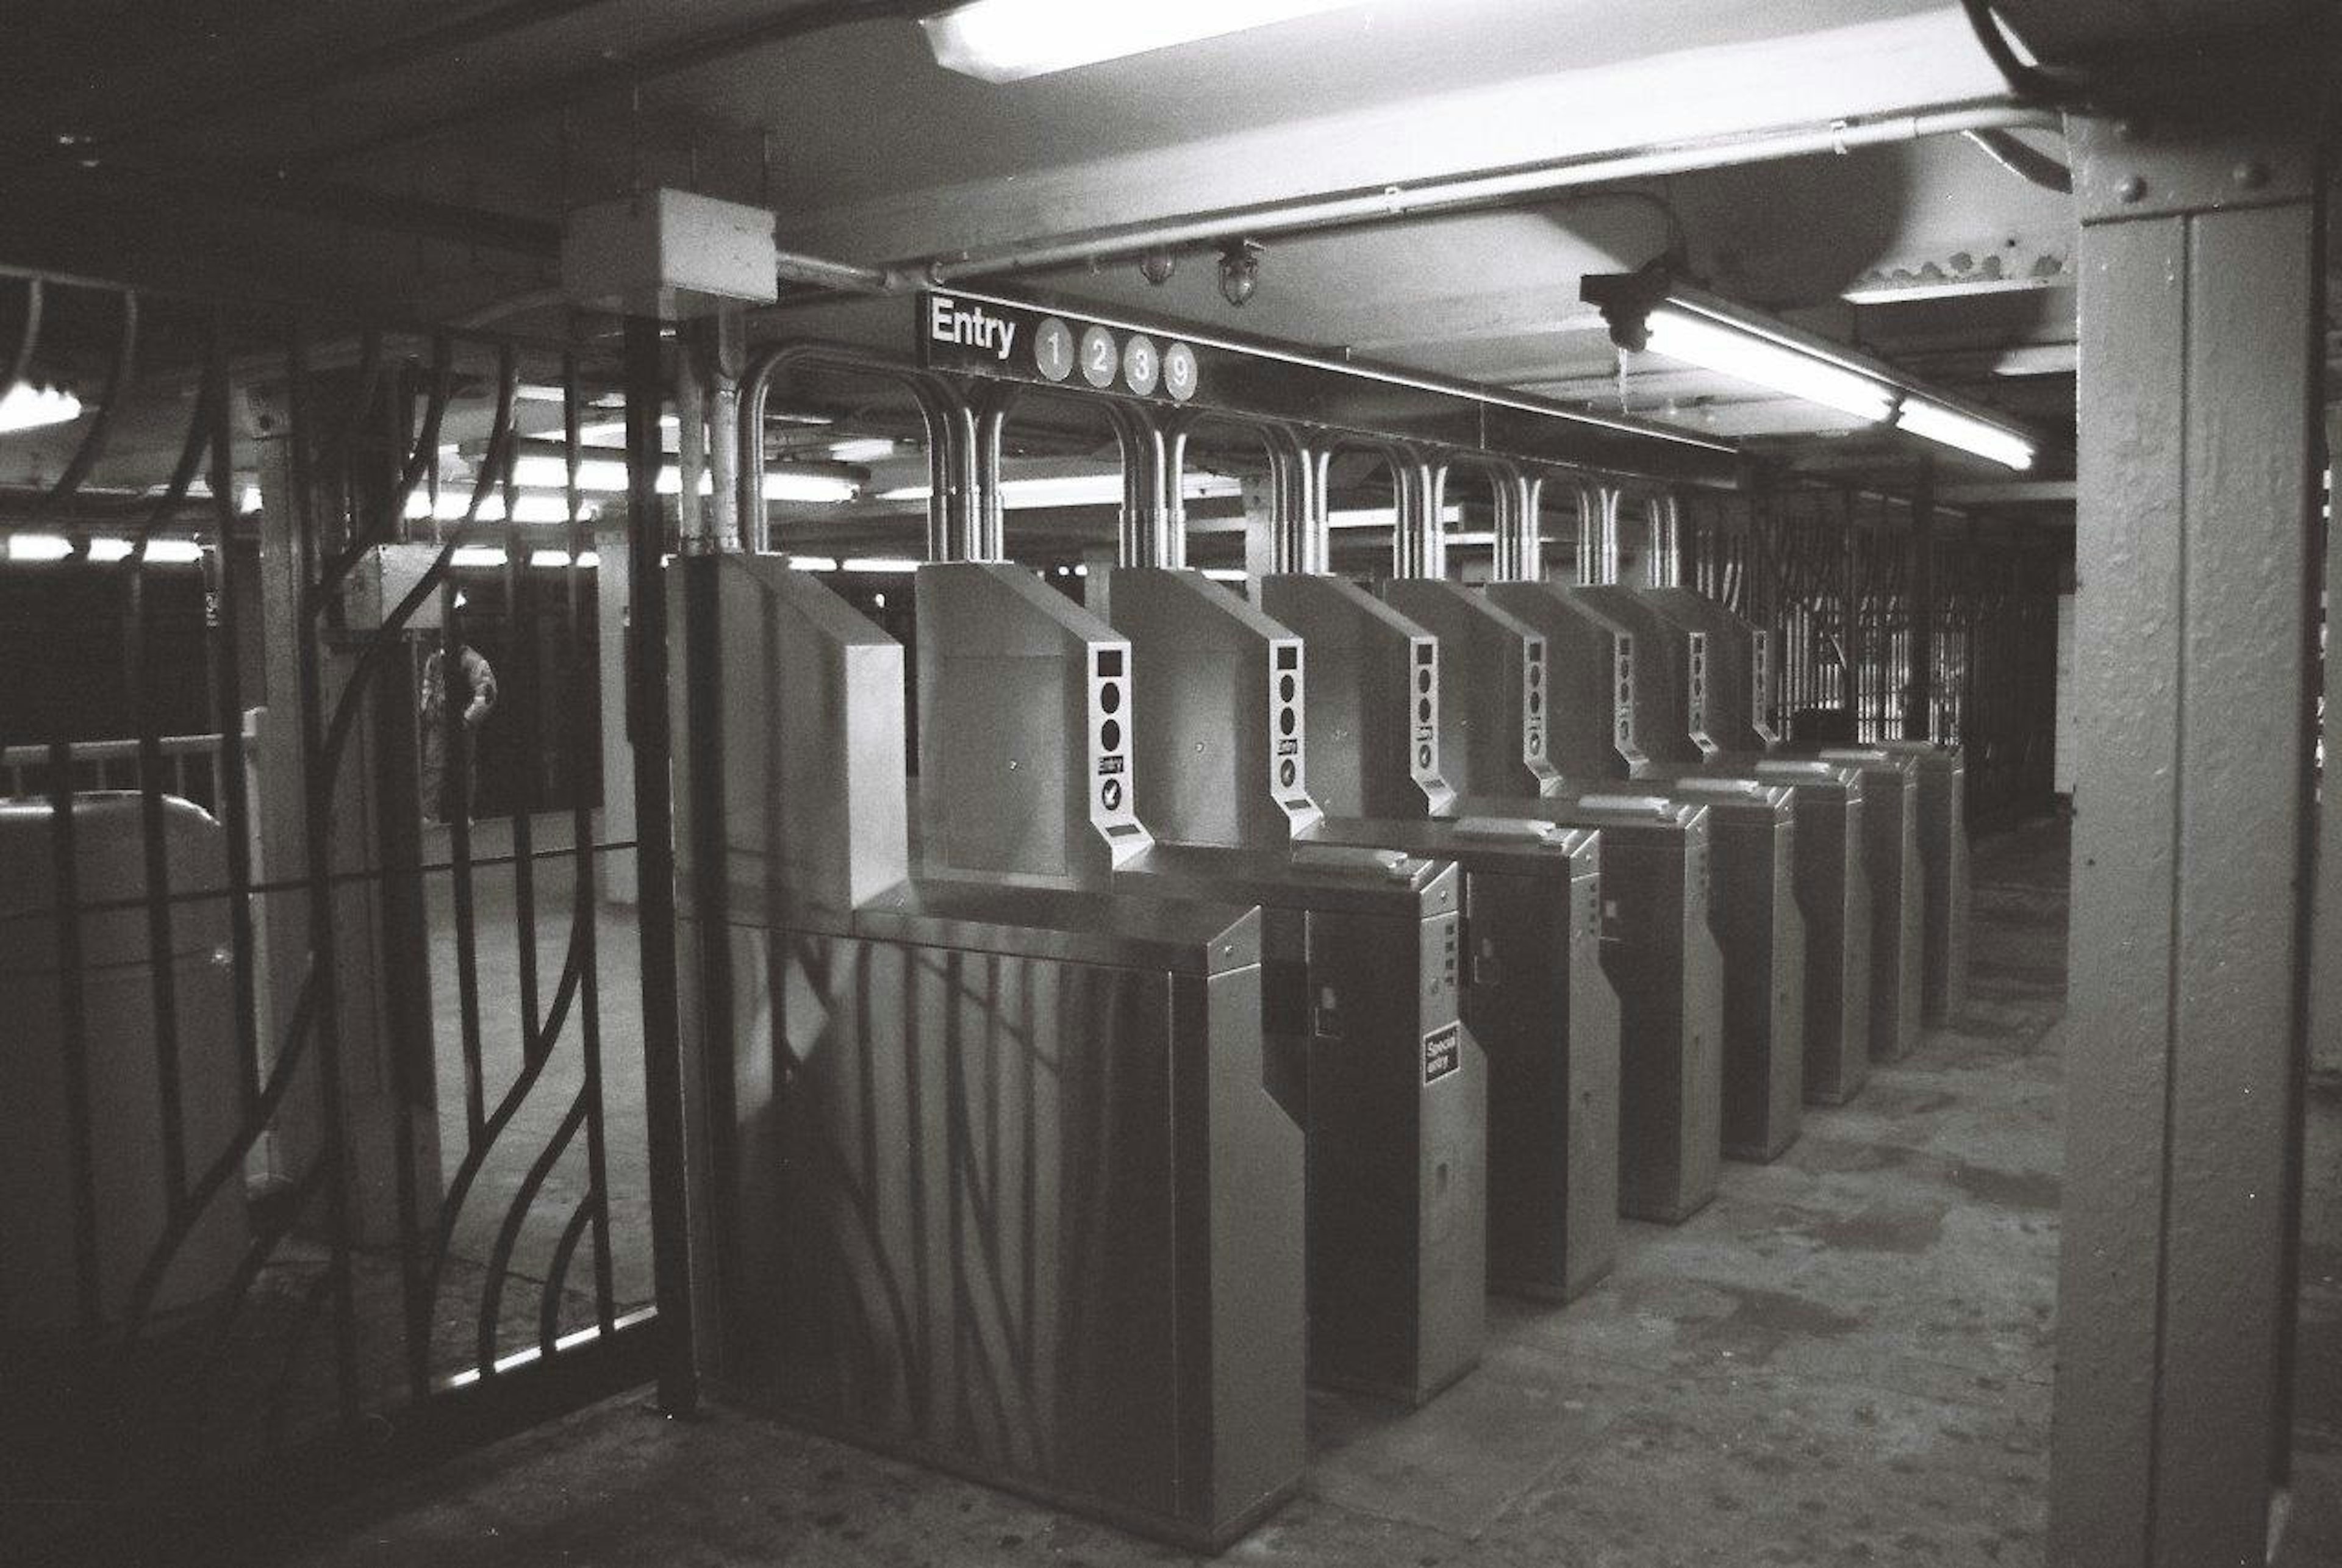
{"x": 328, "y": 1136}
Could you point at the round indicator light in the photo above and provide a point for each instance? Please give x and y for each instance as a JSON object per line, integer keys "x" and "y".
{"x": 1536, "y": 703}
{"x": 1423, "y": 681}
{"x": 1423, "y": 756}
{"x": 1285, "y": 773}
{"x": 1285, "y": 721}
{"x": 1180, "y": 372}
{"x": 1142, "y": 367}
{"x": 1285, "y": 688}
{"x": 1110, "y": 696}
{"x": 1110, "y": 735}
{"x": 1110, "y": 795}
{"x": 1422, "y": 711}
{"x": 1053, "y": 349}
{"x": 1099, "y": 357}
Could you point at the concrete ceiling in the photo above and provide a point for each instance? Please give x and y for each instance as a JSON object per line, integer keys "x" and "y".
{"x": 419, "y": 158}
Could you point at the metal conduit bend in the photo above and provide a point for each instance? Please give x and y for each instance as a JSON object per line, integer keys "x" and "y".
{"x": 942, "y": 413}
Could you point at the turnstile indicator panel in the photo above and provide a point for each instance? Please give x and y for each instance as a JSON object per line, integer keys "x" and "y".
{"x": 1533, "y": 700}
{"x": 1424, "y": 762}
{"x": 1110, "y": 719}
{"x": 1289, "y": 775}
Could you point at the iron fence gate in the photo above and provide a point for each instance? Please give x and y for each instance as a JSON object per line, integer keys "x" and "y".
{"x": 339, "y": 1082}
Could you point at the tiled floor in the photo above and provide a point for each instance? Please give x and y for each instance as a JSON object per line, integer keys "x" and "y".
{"x": 1844, "y": 1360}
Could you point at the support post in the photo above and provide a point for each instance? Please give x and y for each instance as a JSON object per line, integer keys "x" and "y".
{"x": 2200, "y": 268}
{"x": 1920, "y": 693}
{"x": 664, "y": 1080}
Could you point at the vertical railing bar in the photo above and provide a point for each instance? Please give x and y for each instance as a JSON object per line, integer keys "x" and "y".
{"x": 226, "y": 613}
{"x": 317, "y": 784}
{"x": 521, "y": 658}
{"x": 162, "y": 987}
{"x": 655, "y": 860}
{"x": 73, "y": 1036}
{"x": 585, "y": 904}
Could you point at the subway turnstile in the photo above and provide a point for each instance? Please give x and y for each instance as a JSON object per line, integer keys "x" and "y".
{"x": 1609, "y": 657}
{"x": 1511, "y": 691}
{"x": 1360, "y": 947}
{"x": 1908, "y": 901}
{"x": 997, "y": 1179}
{"x": 1676, "y": 731}
{"x": 1230, "y": 752}
{"x": 1378, "y": 699}
{"x": 1944, "y": 874}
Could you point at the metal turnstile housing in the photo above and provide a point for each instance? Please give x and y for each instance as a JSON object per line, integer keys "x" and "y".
{"x": 995, "y": 1177}
{"x": 1367, "y": 1042}
{"x": 1507, "y": 695}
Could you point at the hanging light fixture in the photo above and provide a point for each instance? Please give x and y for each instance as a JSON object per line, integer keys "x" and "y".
{"x": 1653, "y": 310}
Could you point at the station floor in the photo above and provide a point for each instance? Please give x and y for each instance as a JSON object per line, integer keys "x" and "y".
{"x": 1844, "y": 1360}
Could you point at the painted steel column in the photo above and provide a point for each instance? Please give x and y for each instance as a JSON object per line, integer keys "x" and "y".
{"x": 2200, "y": 262}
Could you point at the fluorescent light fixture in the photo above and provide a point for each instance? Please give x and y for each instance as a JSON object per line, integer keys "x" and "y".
{"x": 813, "y": 562}
{"x": 249, "y": 501}
{"x": 477, "y": 556}
{"x": 174, "y": 551}
{"x": 39, "y": 546}
{"x": 28, "y": 407}
{"x": 886, "y": 566}
{"x": 613, "y": 431}
{"x": 863, "y": 449}
{"x": 548, "y": 557}
{"x": 108, "y": 548}
{"x": 534, "y": 507}
{"x": 589, "y": 558}
{"x": 1078, "y": 490}
{"x": 1010, "y": 40}
{"x": 607, "y": 476}
{"x": 1383, "y": 517}
{"x": 1743, "y": 355}
{"x": 1484, "y": 536}
{"x": 1224, "y": 574}
{"x": 1952, "y": 428}
{"x": 814, "y": 489}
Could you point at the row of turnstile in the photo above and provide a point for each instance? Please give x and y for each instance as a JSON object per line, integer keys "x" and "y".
{"x": 1252, "y": 984}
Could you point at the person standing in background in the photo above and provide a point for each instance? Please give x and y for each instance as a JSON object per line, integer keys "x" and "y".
{"x": 448, "y": 791}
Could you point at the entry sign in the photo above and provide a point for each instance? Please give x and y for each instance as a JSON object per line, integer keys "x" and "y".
{"x": 1020, "y": 342}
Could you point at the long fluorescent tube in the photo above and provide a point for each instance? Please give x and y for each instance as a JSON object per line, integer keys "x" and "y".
{"x": 1010, "y": 40}
{"x": 39, "y": 546}
{"x": 534, "y": 507}
{"x": 1937, "y": 422}
{"x": 1749, "y": 357}
{"x": 813, "y": 562}
{"x": 476, "y": 555}
{"x": 889, "y": 564}
{"x": 607, "y": 476}
{"x": 1383, "y": 517}
{"x": 174, "y": 551}
{"x": 29, "y": 407}
{"x": 1077, "y": 490}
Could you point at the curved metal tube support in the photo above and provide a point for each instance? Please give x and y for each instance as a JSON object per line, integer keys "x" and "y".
{"x": 943, "y": 414}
